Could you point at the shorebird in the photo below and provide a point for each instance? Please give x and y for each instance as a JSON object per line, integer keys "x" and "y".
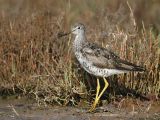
{"x": 98, "y": 61}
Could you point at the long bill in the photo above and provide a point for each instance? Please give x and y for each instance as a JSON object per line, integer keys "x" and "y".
{"x": 61, "y": 34}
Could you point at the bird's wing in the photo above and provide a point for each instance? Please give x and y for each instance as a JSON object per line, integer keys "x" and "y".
{"x": 105, "y": 58}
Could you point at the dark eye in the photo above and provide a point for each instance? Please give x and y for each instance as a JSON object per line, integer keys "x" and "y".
{"x": 79, "y": 28}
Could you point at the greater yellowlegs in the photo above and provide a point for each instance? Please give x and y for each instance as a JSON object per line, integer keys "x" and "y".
{"x": 98, "y": 61}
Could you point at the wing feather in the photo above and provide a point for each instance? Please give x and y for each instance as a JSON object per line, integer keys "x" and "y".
{"x": 105, "y": 58}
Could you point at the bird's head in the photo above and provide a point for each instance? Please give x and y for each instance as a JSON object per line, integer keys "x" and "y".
{"x": 78, "y": 28}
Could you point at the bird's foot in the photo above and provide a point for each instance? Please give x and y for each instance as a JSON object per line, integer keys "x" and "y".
{"x": 93, "y": 107}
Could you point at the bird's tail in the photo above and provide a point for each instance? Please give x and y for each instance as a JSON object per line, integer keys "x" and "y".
{"x": 138, "y": 68}
{"x": 125, "y": 65}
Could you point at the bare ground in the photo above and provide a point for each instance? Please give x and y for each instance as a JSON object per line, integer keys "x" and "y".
{"x": 22, "y": 109}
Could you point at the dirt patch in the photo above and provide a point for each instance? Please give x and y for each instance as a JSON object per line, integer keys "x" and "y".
{"x": 24, "y": 109}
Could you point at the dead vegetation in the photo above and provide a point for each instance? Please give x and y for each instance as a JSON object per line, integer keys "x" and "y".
{"x": 34, "y": 62}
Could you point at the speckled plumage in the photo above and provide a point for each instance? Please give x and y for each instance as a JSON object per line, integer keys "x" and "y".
{"x": 97, "y": 60}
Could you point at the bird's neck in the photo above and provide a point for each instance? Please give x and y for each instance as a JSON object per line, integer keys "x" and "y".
{"x": 79, "y": 41}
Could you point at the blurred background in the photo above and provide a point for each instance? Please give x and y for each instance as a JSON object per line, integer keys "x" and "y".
{"x": 88, "y": 11}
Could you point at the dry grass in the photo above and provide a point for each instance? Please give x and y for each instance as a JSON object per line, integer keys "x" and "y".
{"x": 34, "y": 62}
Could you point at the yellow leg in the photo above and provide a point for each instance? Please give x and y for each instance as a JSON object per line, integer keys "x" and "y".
{"x": 105, "y": 87}
{"x": 97, "y": 93}
{"x": 98, "y": 88}
{"x": 98, "y": 96}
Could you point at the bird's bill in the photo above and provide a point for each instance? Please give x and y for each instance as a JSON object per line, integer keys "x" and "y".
{"x": 60, "y": 34}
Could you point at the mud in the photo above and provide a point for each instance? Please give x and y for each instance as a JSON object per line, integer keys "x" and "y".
{"x": 24, "y": 109}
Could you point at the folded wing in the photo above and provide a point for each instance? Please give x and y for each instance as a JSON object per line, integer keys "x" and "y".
{"x": 105, "y": 58}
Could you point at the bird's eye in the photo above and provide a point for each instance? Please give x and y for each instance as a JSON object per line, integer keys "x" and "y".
{"x": 78, "y": 27}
